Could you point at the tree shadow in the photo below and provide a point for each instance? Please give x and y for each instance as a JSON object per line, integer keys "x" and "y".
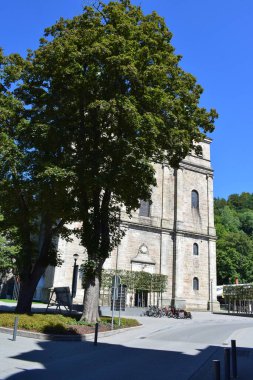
{"x": 84, "y": 360}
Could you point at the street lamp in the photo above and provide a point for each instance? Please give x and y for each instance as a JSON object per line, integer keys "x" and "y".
{"x": 74, "y": 277}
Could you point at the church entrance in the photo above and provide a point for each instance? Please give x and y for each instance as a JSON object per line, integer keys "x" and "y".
{"x": 141, "y": 298}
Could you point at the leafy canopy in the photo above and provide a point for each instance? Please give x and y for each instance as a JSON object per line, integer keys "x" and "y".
{"x": 234, "y": 225}
{"x": 31, "y": 188}
{"x": 106, "y": 89}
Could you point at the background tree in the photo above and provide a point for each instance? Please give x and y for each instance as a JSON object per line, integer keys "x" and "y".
{"x": 106, "y": 98}
{"x": 9, "y": 251}
{"x": 234, "y": 226}
{"x": 241, "y": 201}
{"x": 33, "y": 187}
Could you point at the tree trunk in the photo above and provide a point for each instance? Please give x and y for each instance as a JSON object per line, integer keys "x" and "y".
{"x": 27, "y": 290}
{"x": 91, "y": 300}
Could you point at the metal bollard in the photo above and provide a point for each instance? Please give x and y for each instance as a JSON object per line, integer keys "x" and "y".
{"x": 15, "y": 328}
{"x": 216, "y": 369}
{"x": 96, "y": 335}
{"x": 234, "y": 359}
{"x": 227, "y": 363}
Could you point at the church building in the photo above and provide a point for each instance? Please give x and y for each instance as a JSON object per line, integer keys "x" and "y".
{"x": 174, "y": 235}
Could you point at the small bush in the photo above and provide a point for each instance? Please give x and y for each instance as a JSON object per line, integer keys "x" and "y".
{"x": 58, "y": 329}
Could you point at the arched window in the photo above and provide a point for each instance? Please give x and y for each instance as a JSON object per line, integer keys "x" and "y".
{"x": 144, "y": 208}
{"x": 195, "y": 283}
{"x": 195, "y": 249}
{"x": 195, "y": 199}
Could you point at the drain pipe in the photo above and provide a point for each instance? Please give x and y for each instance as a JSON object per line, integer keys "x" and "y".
{"x": 161, "y": 228}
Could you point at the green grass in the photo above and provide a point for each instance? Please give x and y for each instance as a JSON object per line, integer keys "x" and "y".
{"x": 44, "y": 323}
{"x": 7, "y": 300}
{"x": 55, "y": 323}
{"x": 124, "y": 322}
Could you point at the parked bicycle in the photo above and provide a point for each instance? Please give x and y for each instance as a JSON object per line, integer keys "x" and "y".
{"x": 170, "y": 312}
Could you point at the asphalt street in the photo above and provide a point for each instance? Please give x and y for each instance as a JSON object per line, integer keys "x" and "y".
{"x": 161, "y": 348}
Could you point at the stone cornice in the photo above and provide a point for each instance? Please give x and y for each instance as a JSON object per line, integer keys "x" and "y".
{"x": 196, "y": 168}
{"x": 195, "y": 234}
{"x": 163, "y": 230}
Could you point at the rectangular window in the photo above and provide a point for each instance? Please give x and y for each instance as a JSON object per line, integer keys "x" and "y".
{"x": 144, "y": 209}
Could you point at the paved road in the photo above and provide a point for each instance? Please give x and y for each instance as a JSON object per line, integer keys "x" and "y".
{"x": 161, "y": 348}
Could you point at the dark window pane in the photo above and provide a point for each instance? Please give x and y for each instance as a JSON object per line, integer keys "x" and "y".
{"x": 144, "y": 208}
{"x": 195, "y": 283}
{"x": 195, "y": 199}
{"x": 195, "y": 249}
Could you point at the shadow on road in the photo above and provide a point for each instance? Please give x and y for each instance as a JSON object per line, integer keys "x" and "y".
{"x": 83, "y": 360}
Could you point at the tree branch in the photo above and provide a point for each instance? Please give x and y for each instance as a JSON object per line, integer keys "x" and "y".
{"x": 97, "y": 7}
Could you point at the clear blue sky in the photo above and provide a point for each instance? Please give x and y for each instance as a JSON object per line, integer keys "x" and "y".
{"x": 215, "y": 38}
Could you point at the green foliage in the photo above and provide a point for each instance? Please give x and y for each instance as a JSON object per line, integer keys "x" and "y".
{"x": 234, "y": 257}
{"x": 246, "y": 219}
{"x": 107, "y": 89}
{"x": 136, "y": 280}
{"x": 124, "y": 322}
{"x": 55, "y": 324}
{"x": 8, "y": 252}
{"x": 241, "y": 201}
{"x": 234, "y": 226}
{"x": 229, "y": 219}
{"x": 238, "y": 293}
{"x": 32, "y": 186}
{"x": 89, "y": 268}
{"x": 44, "y": 323}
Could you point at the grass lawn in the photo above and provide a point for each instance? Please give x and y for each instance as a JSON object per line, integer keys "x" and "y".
{"x": 60, "y": 324}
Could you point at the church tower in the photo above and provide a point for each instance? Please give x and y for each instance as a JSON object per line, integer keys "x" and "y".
{"x": 175, "y": 235}
{"x": 194, "y": 238}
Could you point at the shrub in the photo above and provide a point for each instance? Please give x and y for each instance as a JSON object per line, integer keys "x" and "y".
{"x": 45, "y": 323}
{"x": 124, "y": 322}
{"x": 56, "y": 323}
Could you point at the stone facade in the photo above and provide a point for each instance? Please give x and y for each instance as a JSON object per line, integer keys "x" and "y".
{"x": 177, "y": 238}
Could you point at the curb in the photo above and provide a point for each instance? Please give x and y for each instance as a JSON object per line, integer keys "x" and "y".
{"x": 232, "y": 314}
{"x": 70, "y": 338}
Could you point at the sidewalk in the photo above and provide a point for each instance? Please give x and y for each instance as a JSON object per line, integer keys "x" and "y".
{"x": 244, "y": 365}
{"x": 244, "y": 344}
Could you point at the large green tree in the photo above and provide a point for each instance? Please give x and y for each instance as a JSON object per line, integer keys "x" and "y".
{"x": 106, "y": 92}
{"x": 33, "y": 186}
